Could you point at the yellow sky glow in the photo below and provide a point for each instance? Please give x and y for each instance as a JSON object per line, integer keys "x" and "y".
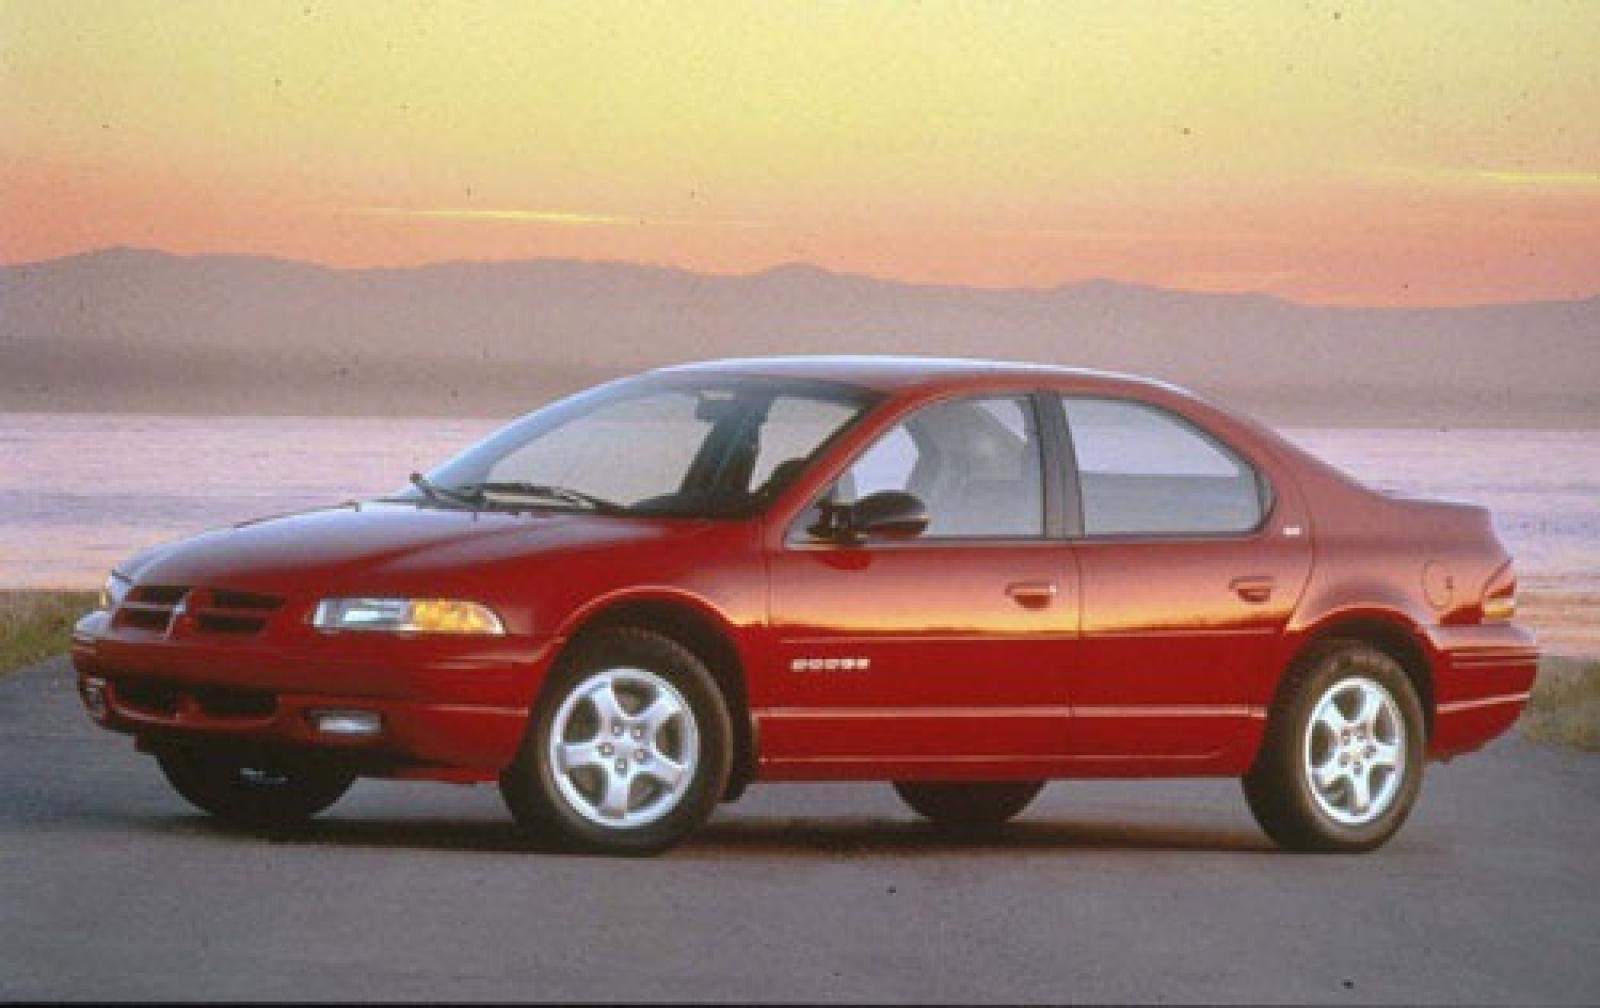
{"x": 467, "y": 213}
{"x": 1338, "y": 152}
{"x": 1554, "y": 179}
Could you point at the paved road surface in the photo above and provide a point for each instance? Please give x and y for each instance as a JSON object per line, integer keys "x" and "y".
{"x": 111, "y": 887}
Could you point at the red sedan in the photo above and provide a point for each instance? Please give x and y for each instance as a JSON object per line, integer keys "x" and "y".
{"x": 964, "y": 577}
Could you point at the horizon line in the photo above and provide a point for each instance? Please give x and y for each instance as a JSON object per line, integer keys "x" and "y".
{"x": 796, "y": 266}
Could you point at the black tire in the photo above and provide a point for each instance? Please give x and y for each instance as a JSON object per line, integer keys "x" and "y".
{"x": 562, "y": 807}
{"x": 968, "y": 804}
{"x": 1281, "y": 788}
{"x": 257, "y": 792}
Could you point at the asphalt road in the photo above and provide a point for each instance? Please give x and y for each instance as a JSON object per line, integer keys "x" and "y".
{"x": 111, "y": 887}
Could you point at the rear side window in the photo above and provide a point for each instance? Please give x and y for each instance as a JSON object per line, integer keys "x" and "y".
{"x": 1144, "y": 471}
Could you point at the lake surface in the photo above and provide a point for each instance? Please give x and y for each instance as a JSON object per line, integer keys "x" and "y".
{"x": 78, "y": 492}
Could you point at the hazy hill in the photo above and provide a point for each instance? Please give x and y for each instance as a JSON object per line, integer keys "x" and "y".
{"x": 131, "y": 330}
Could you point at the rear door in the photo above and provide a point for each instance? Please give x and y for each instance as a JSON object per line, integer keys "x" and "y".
{"x": 1191, "y": 567}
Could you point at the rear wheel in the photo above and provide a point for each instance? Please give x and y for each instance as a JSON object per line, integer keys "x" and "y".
{"x": 256, "y": 791}
{"x": 1342, "y": 761}
{"x": 628, "y": 749}
{"x": 968, "y": 804}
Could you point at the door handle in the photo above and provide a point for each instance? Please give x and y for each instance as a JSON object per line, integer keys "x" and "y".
{"x": 1031, "y": 594}
{"x": 1255, "y": 588}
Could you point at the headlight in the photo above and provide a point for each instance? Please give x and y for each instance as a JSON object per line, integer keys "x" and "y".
{"x": 407, "y": 615}
{"x": 114, "y": 590}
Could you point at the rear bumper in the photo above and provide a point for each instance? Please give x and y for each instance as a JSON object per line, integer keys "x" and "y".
{"x": 1483, "y": 676}
{"x": 444, "y": 703}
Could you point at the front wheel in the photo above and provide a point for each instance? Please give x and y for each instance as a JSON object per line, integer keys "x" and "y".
{"x": 628, "y": 750}
{"x": 1342, "y": 760}
{"x": 271, "y": 791}
{"x": 968, "y": 804}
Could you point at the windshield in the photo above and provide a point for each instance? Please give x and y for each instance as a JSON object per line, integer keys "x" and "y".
{"x": 695, "y": 446}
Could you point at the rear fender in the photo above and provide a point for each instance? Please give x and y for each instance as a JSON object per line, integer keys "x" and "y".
{"x": 1393, "y": 623}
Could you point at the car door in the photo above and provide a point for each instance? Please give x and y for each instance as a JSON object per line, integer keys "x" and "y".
{"x": 1190, "y": 568}
{"x": 938, "y": 655}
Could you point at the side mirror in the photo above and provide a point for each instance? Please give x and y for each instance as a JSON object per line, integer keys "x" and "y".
{"x": 892, "y": 514}
{"x": 888, "y": 514}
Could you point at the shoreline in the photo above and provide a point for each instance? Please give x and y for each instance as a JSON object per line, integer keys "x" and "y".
{"x": 1584, "y": 422}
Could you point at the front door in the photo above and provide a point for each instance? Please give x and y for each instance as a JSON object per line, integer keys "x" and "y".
{"x": 940, "y": 656}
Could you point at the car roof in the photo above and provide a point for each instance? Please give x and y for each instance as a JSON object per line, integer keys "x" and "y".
{"x": 895, "y": 373}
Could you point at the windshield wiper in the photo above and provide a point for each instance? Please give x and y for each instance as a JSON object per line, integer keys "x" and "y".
{"x": 441, "y": 495}
{"x": 545, "y": 492}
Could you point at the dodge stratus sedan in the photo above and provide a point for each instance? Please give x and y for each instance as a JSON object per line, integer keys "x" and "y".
{"x": 964, "y": 577}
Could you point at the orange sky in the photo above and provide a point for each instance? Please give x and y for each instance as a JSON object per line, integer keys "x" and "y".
{"x": 1350, "y": 152}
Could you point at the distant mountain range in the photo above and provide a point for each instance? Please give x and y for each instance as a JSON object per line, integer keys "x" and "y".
{"x": 128, "y": 330}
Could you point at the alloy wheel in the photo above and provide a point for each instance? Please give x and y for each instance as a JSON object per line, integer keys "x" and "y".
{"x": 624, "y": 748}
{"x": 1355, "y": 751}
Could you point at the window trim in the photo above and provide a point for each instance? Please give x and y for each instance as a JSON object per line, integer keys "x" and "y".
{"x": 1063, "y": 502}
{"x": 1266, "y": 493}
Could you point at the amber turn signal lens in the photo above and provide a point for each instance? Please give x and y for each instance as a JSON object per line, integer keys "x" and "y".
{"x": 1500, "y": 607}
{"x": 1500, "y": 596}
{"x": 451, "y": 616}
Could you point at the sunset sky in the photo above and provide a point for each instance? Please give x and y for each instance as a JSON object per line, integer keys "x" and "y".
{"x": 1347, "y": 152}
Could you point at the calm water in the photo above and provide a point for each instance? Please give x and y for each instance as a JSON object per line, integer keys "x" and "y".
{"x": 80, "y": 492}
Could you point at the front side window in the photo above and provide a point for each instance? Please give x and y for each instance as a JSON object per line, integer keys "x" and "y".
{"x": 1144, "y": 471}
{"x": 713, "y": 448}
{"x": 975, "y": 463}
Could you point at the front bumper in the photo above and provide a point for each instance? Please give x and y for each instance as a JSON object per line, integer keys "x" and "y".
{"x": 1483, "y": 677}
{"x": 442, "y": 702}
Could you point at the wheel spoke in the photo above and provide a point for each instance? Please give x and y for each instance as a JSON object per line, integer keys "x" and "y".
{"x": 1361, "y": 789}
{"x": 604, "y": 698}
{"x": 666, "y": 770}
{"x": 1332, "y": 718}
{"x": 1371, "y": 704}
{"x": 579, "y": 754}
{"x": 614, "y": 803}
{"x": 1384, "y": 754}
{"x": 661, "y": 710}
{"x": 1327, "y": 773}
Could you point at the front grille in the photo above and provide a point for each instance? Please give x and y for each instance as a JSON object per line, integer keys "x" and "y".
{"x": 149, "y": 607}
{"x": 144, "y": 618}
{"x": 229, "y": 624}
{"x": 225, "y": 702}
{"x": 164, "y": 699}
{"x": 148, "y": 696}
{"x": 166, "y": 595}
{"x": 224, "y": 598}
{"x": 224, "y": 611}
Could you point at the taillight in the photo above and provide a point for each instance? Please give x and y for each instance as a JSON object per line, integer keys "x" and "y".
{"x": 1500, "y": 595}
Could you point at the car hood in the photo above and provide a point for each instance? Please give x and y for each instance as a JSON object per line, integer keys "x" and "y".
{"x": 384, "y": 544}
